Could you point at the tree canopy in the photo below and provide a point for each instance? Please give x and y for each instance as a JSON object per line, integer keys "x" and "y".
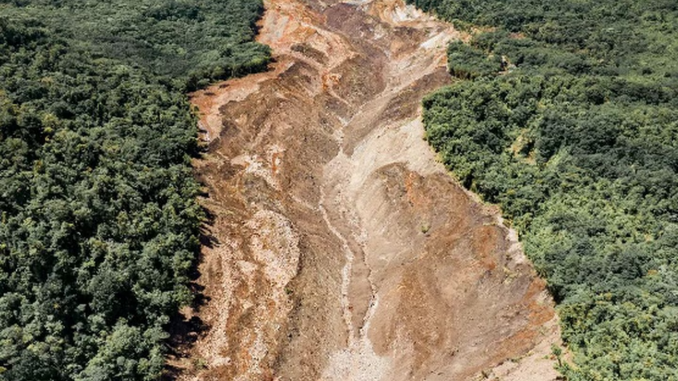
{"x": 99, "y": 223}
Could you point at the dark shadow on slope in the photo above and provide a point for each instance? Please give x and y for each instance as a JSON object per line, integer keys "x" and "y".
{"x": 185, "y": 328}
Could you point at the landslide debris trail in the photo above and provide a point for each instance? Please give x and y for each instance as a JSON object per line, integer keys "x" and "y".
{"x": 341, "y": 250}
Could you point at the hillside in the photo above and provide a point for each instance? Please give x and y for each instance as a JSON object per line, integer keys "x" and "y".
{"x": 99, "y": 227}
{"x": 567, "y": 120}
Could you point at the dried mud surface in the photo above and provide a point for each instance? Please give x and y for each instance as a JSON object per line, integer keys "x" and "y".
{"x": 341, "y": 250}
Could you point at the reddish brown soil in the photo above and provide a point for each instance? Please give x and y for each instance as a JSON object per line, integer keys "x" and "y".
{"x": 342, "y": 249}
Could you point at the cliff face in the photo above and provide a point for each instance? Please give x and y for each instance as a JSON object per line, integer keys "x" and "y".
{"x": 340, "y": 249}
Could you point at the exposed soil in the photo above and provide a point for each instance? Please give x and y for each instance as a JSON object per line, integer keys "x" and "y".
{"x": 342, "y": 250}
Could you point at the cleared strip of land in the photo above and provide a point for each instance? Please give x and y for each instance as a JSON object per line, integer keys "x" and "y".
{"x": 341, "y": 249}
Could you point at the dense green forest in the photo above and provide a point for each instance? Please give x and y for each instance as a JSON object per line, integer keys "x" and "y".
{"x": 99, "y": 224}
{"x": 567, "y": 117}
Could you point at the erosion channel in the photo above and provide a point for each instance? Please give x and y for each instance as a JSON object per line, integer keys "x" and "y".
{"x": 341, "y": 249}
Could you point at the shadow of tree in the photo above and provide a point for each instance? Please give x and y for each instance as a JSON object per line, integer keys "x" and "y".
{"x": 185, "y": 327}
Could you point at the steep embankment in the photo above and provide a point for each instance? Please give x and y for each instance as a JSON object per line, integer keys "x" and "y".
{"x": 341, "y": 249}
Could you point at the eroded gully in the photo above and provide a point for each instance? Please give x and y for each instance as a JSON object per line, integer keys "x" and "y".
{"x": 341, "y": 249}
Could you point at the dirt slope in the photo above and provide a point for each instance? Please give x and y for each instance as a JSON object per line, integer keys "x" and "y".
{"x": 341, "y": 249}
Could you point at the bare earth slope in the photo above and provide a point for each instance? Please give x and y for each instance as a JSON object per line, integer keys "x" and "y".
{"x": 342, "y": 250}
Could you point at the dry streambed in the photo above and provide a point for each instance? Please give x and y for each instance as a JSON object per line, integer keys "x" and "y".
{"x": 341, "y": 250}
